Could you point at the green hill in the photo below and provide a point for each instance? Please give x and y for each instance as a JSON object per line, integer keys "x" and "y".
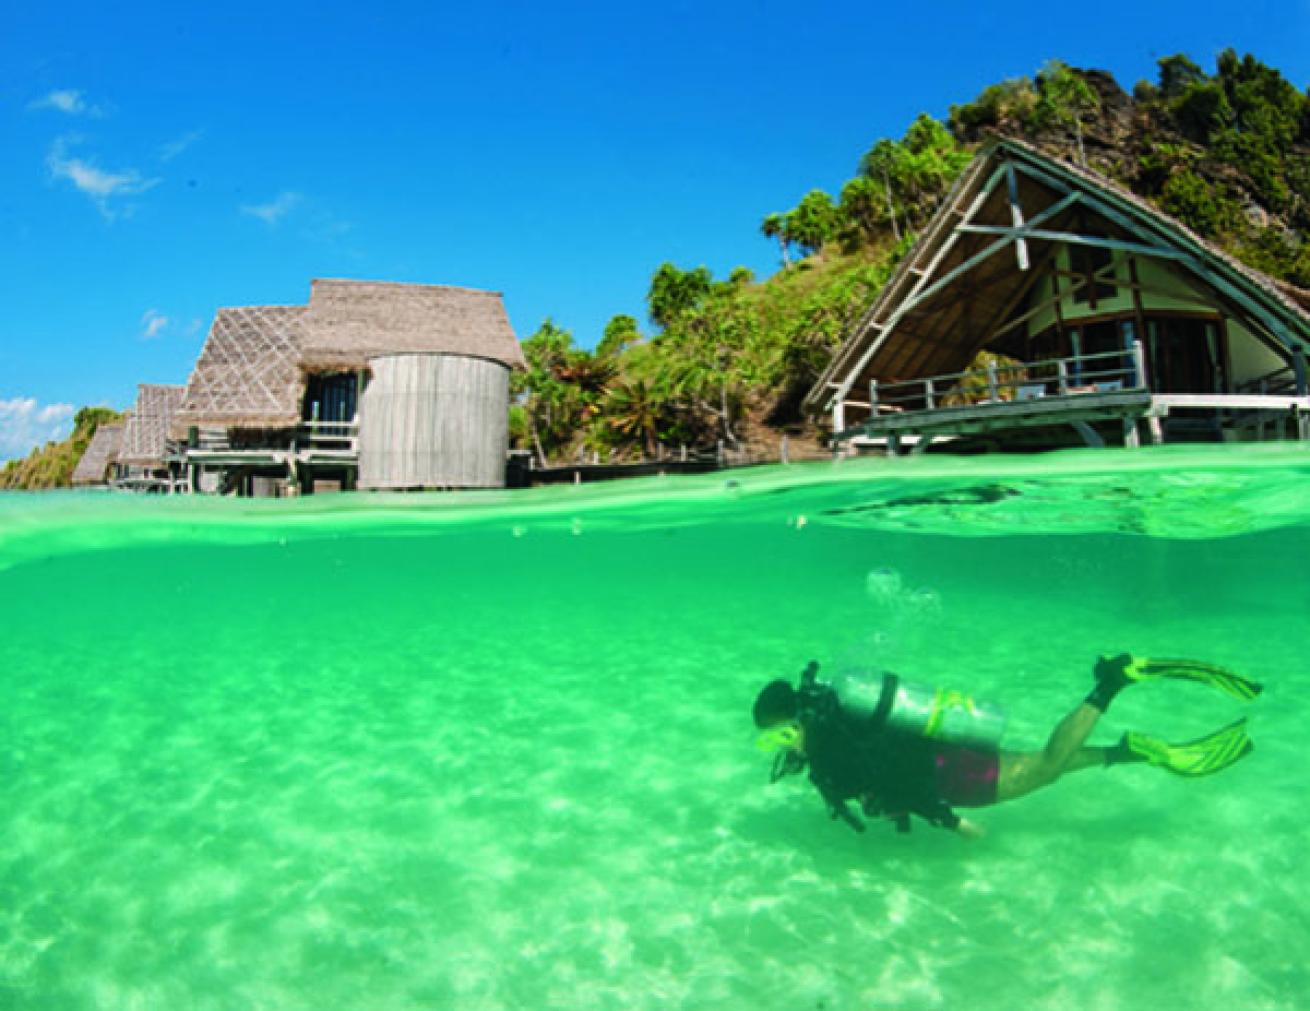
{"x": 52, "y": 465}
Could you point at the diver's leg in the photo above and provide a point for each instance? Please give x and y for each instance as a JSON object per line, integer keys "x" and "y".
{"x": 1066, "y": 751}
{"x": 1024, "y": 772}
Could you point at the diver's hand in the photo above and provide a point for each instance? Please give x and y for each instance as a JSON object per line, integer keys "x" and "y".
{"x": 970, "y": 829}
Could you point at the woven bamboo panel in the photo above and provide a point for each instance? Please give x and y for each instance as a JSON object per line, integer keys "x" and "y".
{"x": 145, "y": 431}
{"x": 248, "y": 374}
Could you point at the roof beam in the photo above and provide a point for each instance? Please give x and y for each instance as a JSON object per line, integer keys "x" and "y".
{"x": 1074, "y": 239}
{"x": 920, "y": 294}
{"x": 1016, "y": 215}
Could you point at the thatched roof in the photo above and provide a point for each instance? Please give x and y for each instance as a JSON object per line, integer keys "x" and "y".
{"x": 100, "y": 453}
{"x": 961, "y": 283}
{"x": 248, "y": 373}
{"x": 145, "y": 430}
{"x": 348, "y": 322}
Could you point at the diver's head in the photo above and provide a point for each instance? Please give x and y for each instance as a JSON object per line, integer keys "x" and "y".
{"x": 776, "y": 703}
{"x": 777, "y": 713}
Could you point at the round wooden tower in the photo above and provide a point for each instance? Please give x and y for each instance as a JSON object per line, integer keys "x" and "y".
{"x": 434, "y": 421}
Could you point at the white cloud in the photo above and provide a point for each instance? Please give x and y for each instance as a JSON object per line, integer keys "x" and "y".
{"x": 25, "y": 424}
{"x": 99, "y": 185}
{"x": 175, "y": 147}
{"x": 153, "y": 324}
{"x": 69, "y": 101}
{"x": 274, "y": 211}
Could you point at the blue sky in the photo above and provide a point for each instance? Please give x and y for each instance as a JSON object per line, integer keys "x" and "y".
{"x": 158, "y": 162}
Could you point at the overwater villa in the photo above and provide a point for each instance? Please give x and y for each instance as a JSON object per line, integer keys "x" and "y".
{"x": 371, "y": 385}
{"x": 1105, "y": 319}
{"x": 144, "y": 461}
{"x": 101, "y": 454}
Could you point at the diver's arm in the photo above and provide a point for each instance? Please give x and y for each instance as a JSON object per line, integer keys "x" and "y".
{"x": 970, "y": 829}
{"x": 935, "y": 812}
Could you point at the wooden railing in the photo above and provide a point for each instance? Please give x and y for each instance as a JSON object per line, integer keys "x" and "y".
{"x": 1102, "y": 372}
{"x": 1280, "y": 382}
{"x": 328, "y": 435}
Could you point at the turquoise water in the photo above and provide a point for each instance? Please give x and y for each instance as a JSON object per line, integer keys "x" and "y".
{"x": 495, "y": 751}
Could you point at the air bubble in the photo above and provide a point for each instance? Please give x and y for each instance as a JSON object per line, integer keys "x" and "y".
{"x": 883, "y": 585}
{"x": 926, "y": 599}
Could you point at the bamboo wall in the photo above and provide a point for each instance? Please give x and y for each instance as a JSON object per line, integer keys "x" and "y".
{"x": 434, "y": 421}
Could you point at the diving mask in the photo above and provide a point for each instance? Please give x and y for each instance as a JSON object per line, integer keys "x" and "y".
{"x": 785, "y": 739}
{"x": 784, "y": 736}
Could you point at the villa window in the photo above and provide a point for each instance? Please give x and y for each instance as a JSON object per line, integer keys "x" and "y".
{"x": 1086, "y": 262}
{"x": 332, "y": 397}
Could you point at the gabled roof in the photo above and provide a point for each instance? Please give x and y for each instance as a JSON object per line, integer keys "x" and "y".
{"x": 100, "y": 452}
{"x": 968, "y": 274}
{"x": 145, "y": 430}
{"x": 348, "y": 322}
{"x": 248, "y": 373}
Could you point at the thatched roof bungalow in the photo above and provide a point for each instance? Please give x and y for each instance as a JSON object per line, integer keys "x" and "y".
{"x": 435, "y": 410}
{"x": 381, "y": 384}
{"x": 100, "y": 455}
{"x": 1102, "y": 312}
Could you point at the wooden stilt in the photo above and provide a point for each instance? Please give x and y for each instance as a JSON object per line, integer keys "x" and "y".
{"x": 1090, "y": 435}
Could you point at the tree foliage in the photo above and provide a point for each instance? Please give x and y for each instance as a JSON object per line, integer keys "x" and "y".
{"x": 674, "y": 292}
{"x": 1242, "y": 153}
{"x": 1065, "y": 100}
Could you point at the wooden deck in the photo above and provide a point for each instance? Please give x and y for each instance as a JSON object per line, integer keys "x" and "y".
{"x": 911, "y": 415}
{"x": 317, "y": 446}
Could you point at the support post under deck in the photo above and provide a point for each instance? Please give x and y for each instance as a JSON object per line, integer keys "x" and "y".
{"x": 1090, "y": 435}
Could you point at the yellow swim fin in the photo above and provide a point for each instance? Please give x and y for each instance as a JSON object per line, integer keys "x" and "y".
{"x": 1201, "y": 757}
{"x": 1139, "y": 668}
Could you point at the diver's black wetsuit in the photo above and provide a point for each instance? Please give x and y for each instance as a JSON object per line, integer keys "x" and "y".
{"x": 888, "y": 772}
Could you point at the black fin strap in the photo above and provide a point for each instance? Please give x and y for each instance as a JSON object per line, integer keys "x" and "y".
{"x": 890, "y": 682}
{"x": 842, "y": 810}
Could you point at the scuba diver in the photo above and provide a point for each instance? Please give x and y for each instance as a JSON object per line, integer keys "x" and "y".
{"x": 902, "y": 749}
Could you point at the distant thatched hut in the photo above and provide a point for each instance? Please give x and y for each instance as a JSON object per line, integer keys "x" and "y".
{"x": 377, "y": 384}
{"x": 143, "y": 457}
{"x": 100, "y": 455}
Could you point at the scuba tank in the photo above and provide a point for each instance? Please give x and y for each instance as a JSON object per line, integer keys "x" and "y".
{"x": 900, "y": 706}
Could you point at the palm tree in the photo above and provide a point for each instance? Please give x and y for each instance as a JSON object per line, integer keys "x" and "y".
{"x": 775, "y": 227}
{"x": 633, "y": 412}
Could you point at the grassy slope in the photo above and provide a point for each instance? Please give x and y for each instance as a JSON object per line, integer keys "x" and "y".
{"x": 52, "y": 465}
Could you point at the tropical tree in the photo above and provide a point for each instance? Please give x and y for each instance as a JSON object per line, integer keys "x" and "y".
{"x": 882, "y": 163}
{"x": 674, "y": 292}
{"x": 632, "y": 410}
{"x": 1177, "y": 75}
{"x": 620, "y": 334}
{"x": 1065, "y": 99}
{"x": 932, "y": 161}
{"x": 774, "y": 226}
{"x": 812, "y": 222}
{"x": 559, "y": 389}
